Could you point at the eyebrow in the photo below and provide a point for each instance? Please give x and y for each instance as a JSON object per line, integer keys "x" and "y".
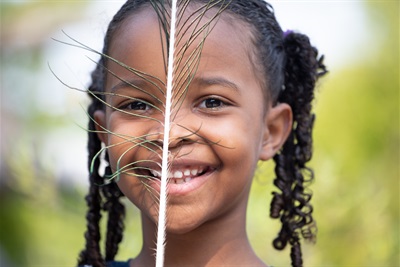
{"x": 139, "y": 83}
{"x": 209, "y": 81}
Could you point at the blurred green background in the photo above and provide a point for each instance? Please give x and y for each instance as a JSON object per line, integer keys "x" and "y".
{"x": 43, "y": 157}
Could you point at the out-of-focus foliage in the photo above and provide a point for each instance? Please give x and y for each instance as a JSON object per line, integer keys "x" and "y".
{"x": 356, "y": 160}
{"x": 357, "y": 153}
{"x": 41, "y": 221}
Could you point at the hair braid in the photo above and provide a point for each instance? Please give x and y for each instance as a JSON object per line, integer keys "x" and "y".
{"x": 98, "y": 189}
{"x": 116, "y": 215}
{"x": 91, "y": 254}
{"x": 292, "y": 205}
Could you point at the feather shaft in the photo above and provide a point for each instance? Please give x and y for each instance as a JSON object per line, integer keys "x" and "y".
{"x": 164, "y": 169}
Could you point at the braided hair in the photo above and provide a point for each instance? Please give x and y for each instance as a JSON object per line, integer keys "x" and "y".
{"x": 290, "y": 67}
{"x": 292, "y": 204}
{"x": 101, "y": 196}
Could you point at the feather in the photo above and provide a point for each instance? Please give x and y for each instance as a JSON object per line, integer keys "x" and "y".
{"x": 164, "y": 167}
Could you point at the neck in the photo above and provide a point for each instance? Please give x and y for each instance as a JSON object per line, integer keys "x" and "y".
{"x": 222, "y": 241}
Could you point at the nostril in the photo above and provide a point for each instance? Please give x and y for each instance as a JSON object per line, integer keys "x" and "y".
{"x": 180, "y": 141}
{"x": 181, "y": 134}
{"x": 154, "y": 139}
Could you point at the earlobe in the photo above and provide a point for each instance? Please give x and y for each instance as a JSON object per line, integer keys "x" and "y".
{"x": 99, "y": 117}
{"x": 278, "y": 123}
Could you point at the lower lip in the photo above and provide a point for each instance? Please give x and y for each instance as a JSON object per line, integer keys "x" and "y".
{"x": 184, "y": 188}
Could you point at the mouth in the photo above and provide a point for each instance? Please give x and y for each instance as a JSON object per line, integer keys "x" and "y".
{"x": 182, "y": 175}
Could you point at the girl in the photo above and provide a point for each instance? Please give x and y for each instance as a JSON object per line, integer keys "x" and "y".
{"x": 241, "y": 92}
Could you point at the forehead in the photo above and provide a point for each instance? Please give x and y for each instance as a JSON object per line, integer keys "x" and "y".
{"x": 140, "y": 42}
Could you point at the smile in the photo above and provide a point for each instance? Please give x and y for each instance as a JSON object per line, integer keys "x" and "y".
{"x": 184, "y": 175}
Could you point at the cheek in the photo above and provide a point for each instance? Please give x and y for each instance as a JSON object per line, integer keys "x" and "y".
{"x": 121, "y": 156}
{"x": 127, "y": 138}
{"x": 237, "y": 133}
{"x": 119, "y": 149}
{"x": 124, "y": 150}
{"x": 143, "y": 199}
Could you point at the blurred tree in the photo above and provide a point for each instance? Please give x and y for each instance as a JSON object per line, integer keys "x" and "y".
{"x": 31, "y": 209}
{"x": 357, "y": 152}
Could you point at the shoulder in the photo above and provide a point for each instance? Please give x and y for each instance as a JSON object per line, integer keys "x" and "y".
{"x": 118, "y": 264}
{"x": 112, "y": 264}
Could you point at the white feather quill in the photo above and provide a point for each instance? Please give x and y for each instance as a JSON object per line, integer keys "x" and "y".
{"x": 164, "y": 168}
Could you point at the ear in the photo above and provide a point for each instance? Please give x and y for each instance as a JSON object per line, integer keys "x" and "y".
{"x": 278, "y": 124}
{"x": 99, "y": 117}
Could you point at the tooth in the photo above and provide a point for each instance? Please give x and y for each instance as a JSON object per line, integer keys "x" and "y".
{"x": 155, "y": 173}
{"x": 193, "y": 172}
{"x": 179, "y": 181}
{"x": 178, "y": 174}
{"x": 188, "y": 179}
{"x": 187, "y": 172}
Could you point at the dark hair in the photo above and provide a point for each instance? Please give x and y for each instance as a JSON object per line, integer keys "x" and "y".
{"x": 291, "y": 68}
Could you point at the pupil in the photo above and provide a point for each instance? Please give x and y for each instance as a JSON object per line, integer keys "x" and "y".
{"x": 138, "y": 106}
{"x": 213, "y": 103}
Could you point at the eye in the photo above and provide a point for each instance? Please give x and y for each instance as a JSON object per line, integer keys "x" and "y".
{"x": 136, "y": 105}
{"x": 212, "y": 103}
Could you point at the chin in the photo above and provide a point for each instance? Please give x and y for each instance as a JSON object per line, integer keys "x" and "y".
{"x": 178, "y": 230}
{"x": 181, "y": 227}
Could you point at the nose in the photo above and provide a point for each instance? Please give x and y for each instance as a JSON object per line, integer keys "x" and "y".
{"x": 179, "y": 134}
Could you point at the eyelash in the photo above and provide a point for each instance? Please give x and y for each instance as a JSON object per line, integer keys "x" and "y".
{"x": 216, "y": 103}
{"x": 139, "y": 105}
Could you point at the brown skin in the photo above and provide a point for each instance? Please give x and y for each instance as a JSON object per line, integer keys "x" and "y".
{"x": 206, "y": 226}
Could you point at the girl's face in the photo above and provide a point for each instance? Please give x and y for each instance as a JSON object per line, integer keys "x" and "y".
{"x": 221, "y": 124}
